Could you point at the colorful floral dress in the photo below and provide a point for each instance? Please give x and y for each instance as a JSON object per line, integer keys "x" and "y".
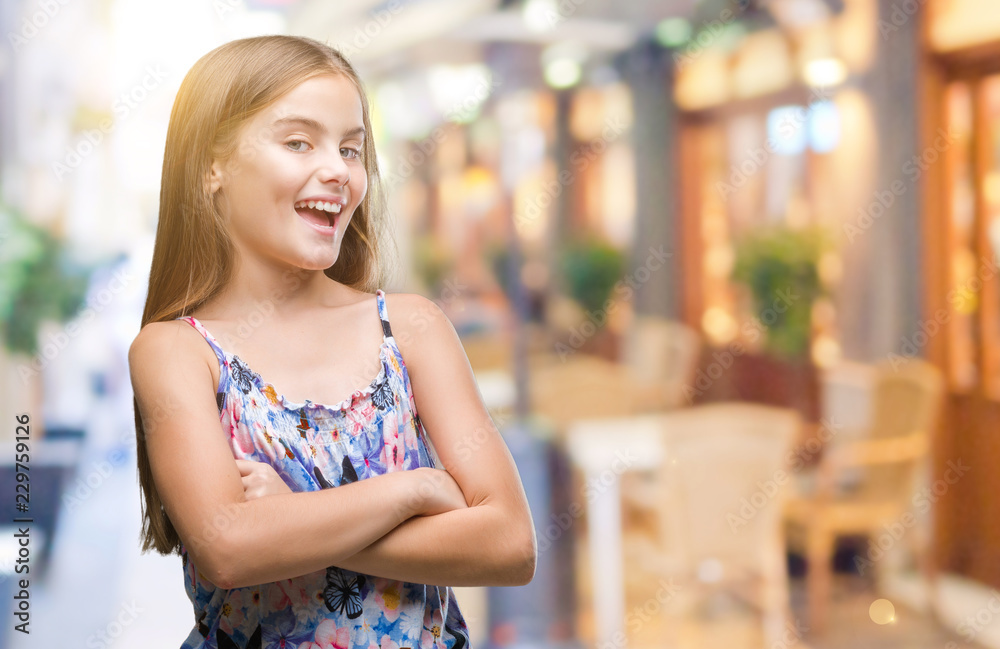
{"x": 316, "y": 446}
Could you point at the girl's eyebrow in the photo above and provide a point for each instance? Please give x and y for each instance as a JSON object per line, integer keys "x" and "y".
{"x": 309, "y": 122}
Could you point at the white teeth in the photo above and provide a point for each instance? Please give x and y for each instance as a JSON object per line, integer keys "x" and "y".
{"x": 326, "y": 207}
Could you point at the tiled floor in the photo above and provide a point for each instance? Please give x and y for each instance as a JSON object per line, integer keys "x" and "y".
{"x": 725, "y": 622}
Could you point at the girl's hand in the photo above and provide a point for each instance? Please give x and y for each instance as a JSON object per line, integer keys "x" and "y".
{"x": 260, "y": 479}
{"x": 440, "y": 491}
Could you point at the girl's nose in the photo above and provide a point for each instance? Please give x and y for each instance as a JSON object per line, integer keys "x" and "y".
{"x": 335, "y": 169}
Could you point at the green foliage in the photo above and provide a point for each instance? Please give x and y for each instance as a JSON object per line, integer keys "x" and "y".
{"x": 591, "y": 268}
{"x": 432, "y": 262}
{"x": 497, "y": 255}
{"x": 38, "y": 281}
{"x": 775, "y": 263}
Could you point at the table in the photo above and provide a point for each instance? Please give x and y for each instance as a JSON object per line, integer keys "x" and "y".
{"x": 604, "y": 449}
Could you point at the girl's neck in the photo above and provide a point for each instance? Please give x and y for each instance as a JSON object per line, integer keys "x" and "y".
{"x": 263, "y": 290}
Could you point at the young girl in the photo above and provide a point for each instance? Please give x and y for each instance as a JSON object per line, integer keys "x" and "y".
{"x": 324, "y": 511}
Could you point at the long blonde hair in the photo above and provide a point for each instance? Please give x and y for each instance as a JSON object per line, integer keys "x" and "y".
{"x": 193, "y": 257}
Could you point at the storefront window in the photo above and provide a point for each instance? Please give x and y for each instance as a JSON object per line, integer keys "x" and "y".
{"x": 760, "y": 167}
{"x": 990, "y": 243}
{"x": 963, "y": 299}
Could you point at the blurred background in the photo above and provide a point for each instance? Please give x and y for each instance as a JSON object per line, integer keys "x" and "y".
{"x": 725, "y": 270}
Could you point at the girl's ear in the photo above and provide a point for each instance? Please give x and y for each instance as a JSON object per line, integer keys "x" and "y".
{"x": 215, "y": 177}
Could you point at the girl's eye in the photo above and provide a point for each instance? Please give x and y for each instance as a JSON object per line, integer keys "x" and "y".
{"x": 355, "y": 151}
{"x": 295, "y": 142}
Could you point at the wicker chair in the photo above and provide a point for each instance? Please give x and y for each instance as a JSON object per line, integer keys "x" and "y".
{"x": 868, "y": 481}
{"x": 717, "y": 503}
{"x": 662, "y": 356}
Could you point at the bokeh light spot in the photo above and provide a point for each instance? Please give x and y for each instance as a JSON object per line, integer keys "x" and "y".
{"x": 882, "y": 612}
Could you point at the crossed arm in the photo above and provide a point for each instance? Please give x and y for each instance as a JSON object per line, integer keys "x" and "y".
{"x": 470, "y": 545}
{"x": 406, "y": 525}
{"x": 452, "y": 548}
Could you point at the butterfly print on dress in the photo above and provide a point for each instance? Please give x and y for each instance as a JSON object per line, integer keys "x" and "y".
{"x": 461, "y": 639}
{"x": 225, "y": 642}
{"x": 242, "y": 374}
{"x": 342, "y": 594}
{"x": 321, "y": 479}
{"x": 348, "y": 474}
{"x": 203, "y": 628}
{"x": 382, "y": 396}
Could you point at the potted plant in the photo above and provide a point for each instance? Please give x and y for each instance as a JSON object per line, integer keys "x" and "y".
{"x": 39, "y": 282}
{"x": 432, "y": 263}
{"x": 781, "y": 264}
{"x": 590, "y": 268}
{"x": 779, "y": 267}
{"x": 40, "y": 285}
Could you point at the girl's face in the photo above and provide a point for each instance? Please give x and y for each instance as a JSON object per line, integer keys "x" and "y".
{"x": 303, "y": 149}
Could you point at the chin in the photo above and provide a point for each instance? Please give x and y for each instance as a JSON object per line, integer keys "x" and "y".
{"x": 319, "y": 263}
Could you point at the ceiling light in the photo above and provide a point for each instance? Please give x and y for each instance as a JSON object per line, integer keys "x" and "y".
{"x": 562, "y": 64}
{"x": 673, "y": 32}
{"x": 826, "y": 72}
{"x": 541, "y": 15}
{"x": 562, "y": 73}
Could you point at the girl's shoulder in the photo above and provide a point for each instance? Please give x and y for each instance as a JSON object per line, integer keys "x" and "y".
{"x": 408, "y": 307}
{"x": 167, "y": 335}
{"x": 411, "y": 303}
{"x": 415, "y": 317}
{"x": 170, "y": 343}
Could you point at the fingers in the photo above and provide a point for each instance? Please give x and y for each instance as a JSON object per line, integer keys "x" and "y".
{"x": 246, "y": 467}
{"x": 248, "y": 491}
{"x": 259, "y": 479}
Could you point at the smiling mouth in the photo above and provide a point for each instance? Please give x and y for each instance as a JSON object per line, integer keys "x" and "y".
{"x": 317, "y": 216}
